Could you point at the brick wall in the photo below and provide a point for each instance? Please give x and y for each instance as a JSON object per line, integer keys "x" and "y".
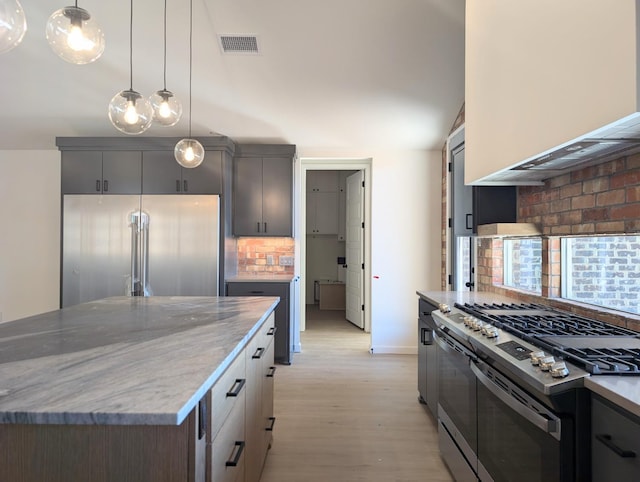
{"x": 595, "y": 200}
{"x": 265, "y": 255}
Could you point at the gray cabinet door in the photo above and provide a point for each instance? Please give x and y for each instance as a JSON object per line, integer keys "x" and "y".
{"x": 282, "y": 312}
{"x": 277, "y": 196}
{"x": 81, "y": 172}
{"x": 121, "y": 172}
{"x": 247, "y": 197}
{"x": 97, "y": 172}
{"x": 206, "y": 178}
{"x": 161, "y": 174}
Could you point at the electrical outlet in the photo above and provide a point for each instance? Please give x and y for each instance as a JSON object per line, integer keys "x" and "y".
{"x": 270, "y": 259}
{"x": 286, "y": 260}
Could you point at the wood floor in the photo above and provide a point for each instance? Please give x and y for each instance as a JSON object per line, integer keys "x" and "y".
{"x": 344, "y": 415}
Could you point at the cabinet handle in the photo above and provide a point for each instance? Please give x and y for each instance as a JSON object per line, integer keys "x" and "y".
{"x": 238, "y": 448}
{"x": 273, "y": 422}
{"x": 185, "y": 186}
{"x": 426, "y": 336}
{"x": 607, "y": 440}
{"x": 258, "y": 223}
{"x": 98, "y": 185}
{"x": 259, "y": 352}
{"x": 177, "y": 185}
{"x": 256, "y": 292}
{"x": 202, "y": 418}
{"x": 265, "y": 227}
{"x": 466, "y": 221}
{"x": 105, "y": 185}
{"x": 272, "y": 372}
{"x": 236, "y": 388}
{"x": 272, "y": 331}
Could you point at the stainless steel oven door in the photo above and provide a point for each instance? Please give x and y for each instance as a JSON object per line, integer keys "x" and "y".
{"x": 457, "y": 407}
{"x": 518, "y": 437}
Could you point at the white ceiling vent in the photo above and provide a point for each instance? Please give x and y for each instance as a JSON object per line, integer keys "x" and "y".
{"x": 238, "y": 44}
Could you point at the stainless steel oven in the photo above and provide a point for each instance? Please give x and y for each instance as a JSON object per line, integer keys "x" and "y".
{"x": 502, "y": 418}
{"x": 519, "y": 438}
{"x": 457, "y": 407}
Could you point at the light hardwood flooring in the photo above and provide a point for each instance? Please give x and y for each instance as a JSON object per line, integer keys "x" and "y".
{"x": 344, "y": 415}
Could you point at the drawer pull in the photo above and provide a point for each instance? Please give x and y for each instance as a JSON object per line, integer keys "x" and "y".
{"x": 238, "y": 448}
{"x": 236, "y": 388}
{"x": 272, "y": 372}
{"x": 607, "y": 440}
{"x": 273, "y": 422}
{"x": 256, "y": 292}
{"x": 259, "y": 352}
{"x": 202, "y": 418}
{"x": 272, "y": 331}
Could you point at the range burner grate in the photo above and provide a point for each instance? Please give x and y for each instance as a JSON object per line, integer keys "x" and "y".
{"x": 538, "y": 325}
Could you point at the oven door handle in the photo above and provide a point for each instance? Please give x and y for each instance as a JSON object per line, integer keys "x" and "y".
{"x": 548, "y": 425}
{"x": 461, "y": 351}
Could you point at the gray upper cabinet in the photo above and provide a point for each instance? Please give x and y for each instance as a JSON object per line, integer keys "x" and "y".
{"x": 163, "y": 175}
{"x": 263, "y": 194}
{"x": 97, "y": 172}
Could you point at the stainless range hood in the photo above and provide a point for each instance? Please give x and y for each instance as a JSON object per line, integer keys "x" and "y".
{"x": 581, "y": 154}
{"x": 621, "y": 138}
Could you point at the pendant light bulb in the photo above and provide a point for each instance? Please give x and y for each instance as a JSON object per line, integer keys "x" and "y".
{"x": 13, "y": 24}
{"x": 167, "y": 110}
{"x": 189, "y": 153}
{"x": 130, "y": 113}
{"x": 74, "y": 35}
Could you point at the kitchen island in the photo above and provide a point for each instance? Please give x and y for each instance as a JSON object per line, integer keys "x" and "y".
{"x": 125, "y": 388}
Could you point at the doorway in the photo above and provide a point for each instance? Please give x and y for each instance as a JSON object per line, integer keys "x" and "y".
{"x": 310, "y": 239}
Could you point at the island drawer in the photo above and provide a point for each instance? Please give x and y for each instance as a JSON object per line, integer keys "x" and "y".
{"x": 228, "y": 447}
{"x": 227, "y": 392}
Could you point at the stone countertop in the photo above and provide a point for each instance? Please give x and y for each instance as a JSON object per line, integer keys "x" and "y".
{"x": 451, "y": 297}
{"x": 122, "y": 360}
{"x": 624, "y": 391}
{"x": 262, "y": 278}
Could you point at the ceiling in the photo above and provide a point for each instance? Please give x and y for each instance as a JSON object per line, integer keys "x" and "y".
{"x": 384, "y": 74}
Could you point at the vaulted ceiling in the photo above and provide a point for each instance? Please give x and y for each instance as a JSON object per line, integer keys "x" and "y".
{"x": 330, "y": 74}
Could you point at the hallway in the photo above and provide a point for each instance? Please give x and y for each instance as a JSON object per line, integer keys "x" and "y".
{"x": 344, "y": 415}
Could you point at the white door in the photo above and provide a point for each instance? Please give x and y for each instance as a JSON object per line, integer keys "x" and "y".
{"x": 354, "y": 249}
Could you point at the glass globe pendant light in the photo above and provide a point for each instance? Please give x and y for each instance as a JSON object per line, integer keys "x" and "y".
{"x": 13, "y": 24}
{"x": 167, "y": 110}
{"x": 189, "y": 152}
{"x": 74, "y": 35}
{"x": 129, "y": 112}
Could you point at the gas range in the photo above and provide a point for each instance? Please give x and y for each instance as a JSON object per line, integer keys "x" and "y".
{"x": 507, "y": 352}
{"x": 594, "y": 346}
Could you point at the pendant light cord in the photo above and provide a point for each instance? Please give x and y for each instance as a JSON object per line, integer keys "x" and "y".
{"x": 165, "y": 45}
{"x": 190, "y": 57}
{"x": 131, "y": 49}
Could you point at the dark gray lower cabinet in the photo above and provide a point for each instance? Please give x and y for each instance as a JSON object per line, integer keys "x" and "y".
{"x": 283, "y": 312}
{"x": 615, "y": 443}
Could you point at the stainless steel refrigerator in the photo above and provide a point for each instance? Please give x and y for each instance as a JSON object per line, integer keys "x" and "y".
{"x": 114, "y": 245}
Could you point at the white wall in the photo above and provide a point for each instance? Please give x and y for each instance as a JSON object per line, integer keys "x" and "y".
{"x": 30, "y": 237}
{"x": 406, "y": 237}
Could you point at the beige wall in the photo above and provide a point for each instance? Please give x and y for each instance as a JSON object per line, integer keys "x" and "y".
{"x": 540, "y": 73}
{"x": 30, "y": 237}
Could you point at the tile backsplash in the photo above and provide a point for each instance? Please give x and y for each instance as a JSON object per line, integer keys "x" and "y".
{"x": 266, "y": 255}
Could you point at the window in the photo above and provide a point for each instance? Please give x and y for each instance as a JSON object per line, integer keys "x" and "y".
{"x": 523, "y": 264}
{"x": 602, "y": 271}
